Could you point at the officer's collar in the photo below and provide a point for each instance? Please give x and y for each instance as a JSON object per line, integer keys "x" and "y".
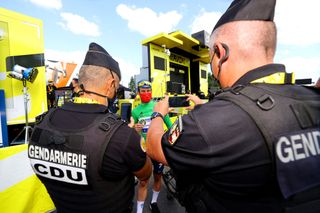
{"x": 259, "y": 73}
{"x": 81, "y": 100}
{"x": 87, "y": 108}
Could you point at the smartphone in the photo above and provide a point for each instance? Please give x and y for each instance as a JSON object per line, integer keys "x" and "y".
{"x": 178, "y": 101}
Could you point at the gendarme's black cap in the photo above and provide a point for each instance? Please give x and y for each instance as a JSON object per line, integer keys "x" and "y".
{"x": 98, "y": 56}
{"x": 248, "y": 10}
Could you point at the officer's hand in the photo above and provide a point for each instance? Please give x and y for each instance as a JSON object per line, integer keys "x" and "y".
{"x": 195, "y": 99}
{"x": 162, "y": 106}
{"x": 138, "y": 127}
{"x": 131, "y": 124}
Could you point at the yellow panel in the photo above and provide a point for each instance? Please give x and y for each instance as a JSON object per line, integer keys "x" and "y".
{"x": 163, "y": 39}
{"x": 159, "y": 77}
{"x": 179, "y": 59}
{"x": 28, "y": 195}
{"x": 24, "y": 192}
{"x": 202, "y": 53}
{"x": 205, "y": 59}
{"x": 203, "y": 81}
{"x": 12, "y": 150}
{"x": 23, "y": 35}
{"x": 188, "y": 44}
{"x": 188, "y": 41}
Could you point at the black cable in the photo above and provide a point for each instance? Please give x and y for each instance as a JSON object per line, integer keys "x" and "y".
{"x": 87, "y": 91}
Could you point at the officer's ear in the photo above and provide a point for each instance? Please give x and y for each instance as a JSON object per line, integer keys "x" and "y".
{"x": 110, "y": 82}
{"x": 108, "y": 85}
{"x": 222, "y": 51}
{"x": 113, "y": 83}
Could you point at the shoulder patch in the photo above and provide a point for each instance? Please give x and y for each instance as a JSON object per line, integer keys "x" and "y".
{"x": 175, "y": 131}
{"x": 40, "y": 117}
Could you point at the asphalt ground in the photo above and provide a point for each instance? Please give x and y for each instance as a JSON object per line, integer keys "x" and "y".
{"x": 166, "y": 203}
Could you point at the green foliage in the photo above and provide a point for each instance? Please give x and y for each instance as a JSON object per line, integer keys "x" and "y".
{"x": 132, "y": 84}
{"x": 212, "y": 83}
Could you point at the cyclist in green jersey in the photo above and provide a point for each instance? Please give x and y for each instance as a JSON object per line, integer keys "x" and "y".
{"x": 142, "y": 116}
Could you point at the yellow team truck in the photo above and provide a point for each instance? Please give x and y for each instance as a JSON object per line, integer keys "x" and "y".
{"x": 22, "y": 98}
{"x": 22, "y": 71}
{"x": 175, "y": 64}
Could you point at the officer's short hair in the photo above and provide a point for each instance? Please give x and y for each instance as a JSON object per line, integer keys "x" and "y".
{"x": 249, "y": 35}
{"x": 93, "y": 76}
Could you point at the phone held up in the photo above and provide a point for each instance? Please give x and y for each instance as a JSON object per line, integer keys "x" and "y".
{"x": 178, "y": 101}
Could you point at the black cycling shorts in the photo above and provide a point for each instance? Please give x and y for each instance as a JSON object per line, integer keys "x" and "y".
{"x": 157, "y": 167}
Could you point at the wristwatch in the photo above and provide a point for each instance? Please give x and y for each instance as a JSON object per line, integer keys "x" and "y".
{"x": 156, "y": 114}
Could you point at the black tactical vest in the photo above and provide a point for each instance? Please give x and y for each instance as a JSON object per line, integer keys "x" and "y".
{"x": 68, "y": 162}
{"x": 288, "y": 117}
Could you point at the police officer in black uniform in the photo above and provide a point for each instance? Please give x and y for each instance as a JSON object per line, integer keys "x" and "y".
{"x": 255, "y": 146}
{"x": 86, "y": 156}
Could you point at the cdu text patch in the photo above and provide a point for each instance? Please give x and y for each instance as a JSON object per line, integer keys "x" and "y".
{"x": 59, "y": 165}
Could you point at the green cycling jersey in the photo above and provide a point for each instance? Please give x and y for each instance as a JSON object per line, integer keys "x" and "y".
{"x": 142, "y": 114}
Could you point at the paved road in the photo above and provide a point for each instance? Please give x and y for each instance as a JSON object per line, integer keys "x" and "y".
{"x": 165, "y": 205}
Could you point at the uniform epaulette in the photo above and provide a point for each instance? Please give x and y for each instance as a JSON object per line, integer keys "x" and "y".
{"x": 40, "y": 117}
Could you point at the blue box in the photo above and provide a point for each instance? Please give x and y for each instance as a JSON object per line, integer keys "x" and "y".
{"x": 3, "y": 121}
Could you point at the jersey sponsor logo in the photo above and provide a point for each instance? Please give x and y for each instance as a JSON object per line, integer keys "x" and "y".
{"x": 298, "y": 146}
{"x": 58, "y": 165}
{"x": 143, "y": 144}
{"x": 297, "y": 161}
{"x": 145, "y": 121}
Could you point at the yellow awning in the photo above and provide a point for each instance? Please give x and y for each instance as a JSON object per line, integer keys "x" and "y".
{"x": 163, "y": 39}
{"x": 182, "y": 41}
{"x": 188, "y": 41}
{"x": 191, "y": 45}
